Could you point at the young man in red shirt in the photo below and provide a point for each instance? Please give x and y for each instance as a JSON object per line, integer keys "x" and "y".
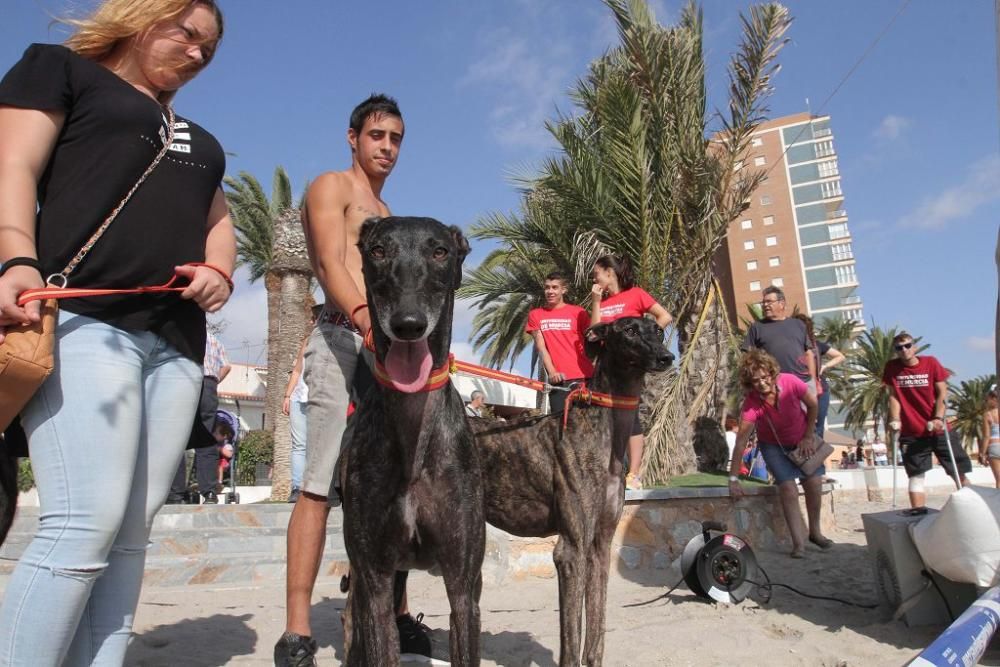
{"x": 557, "y": 329}
{"x": 918, "y": 389}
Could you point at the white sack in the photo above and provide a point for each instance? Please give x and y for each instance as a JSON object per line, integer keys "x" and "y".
{"x": 962, "y": 541}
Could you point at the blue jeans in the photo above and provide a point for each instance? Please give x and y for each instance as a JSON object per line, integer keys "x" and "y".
{"x": 297, "y": 426}
{"x": 106, "y": 432}
{"x": 824, "y": 407}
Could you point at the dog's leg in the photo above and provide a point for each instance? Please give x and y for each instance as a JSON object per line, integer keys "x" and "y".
{"x": 570, "y": 560}
{"x": 375, "y": 640}
{"x": 598, "y": 564}
{"x": 463, "y": 596}
{"x": 596, "y": 599}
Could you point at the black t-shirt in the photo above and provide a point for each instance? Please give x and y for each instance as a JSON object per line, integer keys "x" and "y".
{"x": 110, "y": 135}
{"x": 785, "y": 340}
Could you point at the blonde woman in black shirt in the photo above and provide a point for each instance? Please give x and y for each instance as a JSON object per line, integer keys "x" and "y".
{"x": 79, "y": 125}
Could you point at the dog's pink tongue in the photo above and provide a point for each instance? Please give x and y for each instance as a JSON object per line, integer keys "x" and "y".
{"x": 408, "y": 365}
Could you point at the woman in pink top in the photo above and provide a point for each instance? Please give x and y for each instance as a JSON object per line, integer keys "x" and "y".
{"x": 773, "y": 404}
{"x": 615, "y": 295}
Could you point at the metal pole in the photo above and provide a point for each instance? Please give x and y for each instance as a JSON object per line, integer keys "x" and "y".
{"x": 895, "y": 458}
{"x": 951, "y": 454}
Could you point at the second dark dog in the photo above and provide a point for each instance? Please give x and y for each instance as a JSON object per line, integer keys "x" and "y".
{"x": 412, "y": 488}
{"x": 539, "y": 481}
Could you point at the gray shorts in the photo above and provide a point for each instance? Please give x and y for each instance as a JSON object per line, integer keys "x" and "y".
{"x": 993, "y": 451}
{"x": 330, "y": 360}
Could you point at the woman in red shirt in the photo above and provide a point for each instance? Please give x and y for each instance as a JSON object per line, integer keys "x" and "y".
{"x": 615, "y": 295}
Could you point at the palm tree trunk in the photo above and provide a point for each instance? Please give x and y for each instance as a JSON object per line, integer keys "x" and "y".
{"x": 272, "y": 400}
{"x": 293, "y": 324}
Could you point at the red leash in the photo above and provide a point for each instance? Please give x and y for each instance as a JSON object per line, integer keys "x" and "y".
{"x": 30, "y": 295}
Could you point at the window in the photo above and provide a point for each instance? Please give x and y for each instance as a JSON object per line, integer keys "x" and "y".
{"x": 774, "y": 261}
{"x": 748, "y": 245}
{"x": 823, "y": 148}
{"x": 759, "y": 161}
{"x": 754, "y": 285}
{"x": 842, "y": 251}
{"x": 746, "y": 224}
{"x": 839, "y": 231}
{"x": 768, "y": 220}
{"x": 756, "y": 142}
{"x": 765, "y": 200}
{"x": 752, "y": 265}
{"x": 830, "y": 189}
{"x": 828, "y": 168}
{"x": 845, "y": 274}
{"x": 778, "y": 282}
{"x": 771, "y": 241}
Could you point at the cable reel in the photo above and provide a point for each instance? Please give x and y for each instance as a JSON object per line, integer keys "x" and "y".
{"x": 721, "y": 568}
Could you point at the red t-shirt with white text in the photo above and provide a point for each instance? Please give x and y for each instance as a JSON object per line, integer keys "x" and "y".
{"x": 562, "y": 330}
{"x": 633, "y": 302}
{"x": 915, "y": 391}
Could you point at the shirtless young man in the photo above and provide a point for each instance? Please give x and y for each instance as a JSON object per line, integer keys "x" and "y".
{"x": 337, "y": 203}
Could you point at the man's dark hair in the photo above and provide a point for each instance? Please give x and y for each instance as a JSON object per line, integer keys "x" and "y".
{"x": 558, "y": 275}
{"x": 622, "y": 268}
{"x": 900, "y": 337}
{"x": 776, "y": 291}
{"x": 376, "y": 104}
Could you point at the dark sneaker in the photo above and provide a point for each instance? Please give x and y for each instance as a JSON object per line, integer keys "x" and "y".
{"x": 293, "y": 496}
{"x": 210, "y": 498}
{"x": 414, "y": 636}
{"x": 294, "y": 650}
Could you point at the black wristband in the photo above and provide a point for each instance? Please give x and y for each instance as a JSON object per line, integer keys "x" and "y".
{"x": 21, "y": 261}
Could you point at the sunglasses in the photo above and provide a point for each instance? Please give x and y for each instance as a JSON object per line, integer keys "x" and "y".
{"x": 904, "y": 346}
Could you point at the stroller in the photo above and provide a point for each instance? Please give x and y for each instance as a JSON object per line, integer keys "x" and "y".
{"x": 229, "y": 472}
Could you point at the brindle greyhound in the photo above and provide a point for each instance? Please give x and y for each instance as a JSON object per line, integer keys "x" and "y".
{"x": 410, "y": 476}
{"x": 541, "y": 482}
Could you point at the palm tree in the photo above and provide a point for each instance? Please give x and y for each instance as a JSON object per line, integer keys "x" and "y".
{"x": 968, "y": 403}
{"x": 640, "y": 173}
{"x": 268, "y": 246}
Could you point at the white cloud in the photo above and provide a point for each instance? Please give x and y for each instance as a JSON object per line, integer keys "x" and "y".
{"x": 980, "y": 343}
{"x": 525, "y": 76}
{"x": 892, "y": 127}
{"x": 980, "y": 187}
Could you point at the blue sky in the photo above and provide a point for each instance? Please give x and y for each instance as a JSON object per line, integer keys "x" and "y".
{"x": 915, "y": 126}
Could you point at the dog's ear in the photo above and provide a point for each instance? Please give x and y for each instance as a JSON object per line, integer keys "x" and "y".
{"x": 367, "y": 228}
{"x": 594, "y": 337}
{"x": 462, "y": 247}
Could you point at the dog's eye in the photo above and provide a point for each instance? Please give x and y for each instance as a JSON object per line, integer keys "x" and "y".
{"x": 377, "y": 252}
{"x": 659, "y": 332}
{"x": 440, "y": 252}
{"x": 630, "y": 331}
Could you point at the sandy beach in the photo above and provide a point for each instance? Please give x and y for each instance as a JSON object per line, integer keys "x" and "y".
{"x": 201, "y": 626}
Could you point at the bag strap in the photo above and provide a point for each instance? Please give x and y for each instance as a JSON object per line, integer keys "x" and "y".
{"x": 63, "y": 276}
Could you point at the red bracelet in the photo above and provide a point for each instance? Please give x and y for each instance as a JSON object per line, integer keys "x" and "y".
{"x": 355, "y": 312}
{"x": 225, "y": 276}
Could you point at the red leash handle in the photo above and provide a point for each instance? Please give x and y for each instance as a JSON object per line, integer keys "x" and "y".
{"x": 27, "y": 296}
{"x": 225, "y": 276}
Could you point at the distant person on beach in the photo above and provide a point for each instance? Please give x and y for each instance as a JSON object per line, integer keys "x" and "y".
{"x": 989, "y": 443}
{"x": 557, "y": 328}
{"x": 615, "y": 295}
{"x": 834, "y": 357}
{"x": 294, "y": 406}
{"x": 880, "y": 452}
{"x": 80, "y": 124}
{"x": 732, "y": 428}
{"x": 918, "y": 394}
{"x": 474, "y": 408}
{"x": 773, "y": 405}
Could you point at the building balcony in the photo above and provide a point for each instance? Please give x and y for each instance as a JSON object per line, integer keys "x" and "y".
{"x": 825, "y": 132}
{"x": 836, "y": 213}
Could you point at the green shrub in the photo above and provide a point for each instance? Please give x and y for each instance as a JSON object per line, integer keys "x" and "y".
{"x": 25, "y": 478}
{"x": 255, "y": 447}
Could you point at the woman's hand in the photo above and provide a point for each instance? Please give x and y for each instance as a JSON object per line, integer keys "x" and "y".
{"x": 286, "y": 406}
{"x": 597, "y": 292}
{"x": 16, "y": 280}
{"x": 207, "y": 287}
{"x": 807, "y": 446}
{"x": 984, "y": 458}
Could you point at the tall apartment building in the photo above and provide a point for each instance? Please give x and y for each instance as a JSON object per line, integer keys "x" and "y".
{"x": 794, "y": 234}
